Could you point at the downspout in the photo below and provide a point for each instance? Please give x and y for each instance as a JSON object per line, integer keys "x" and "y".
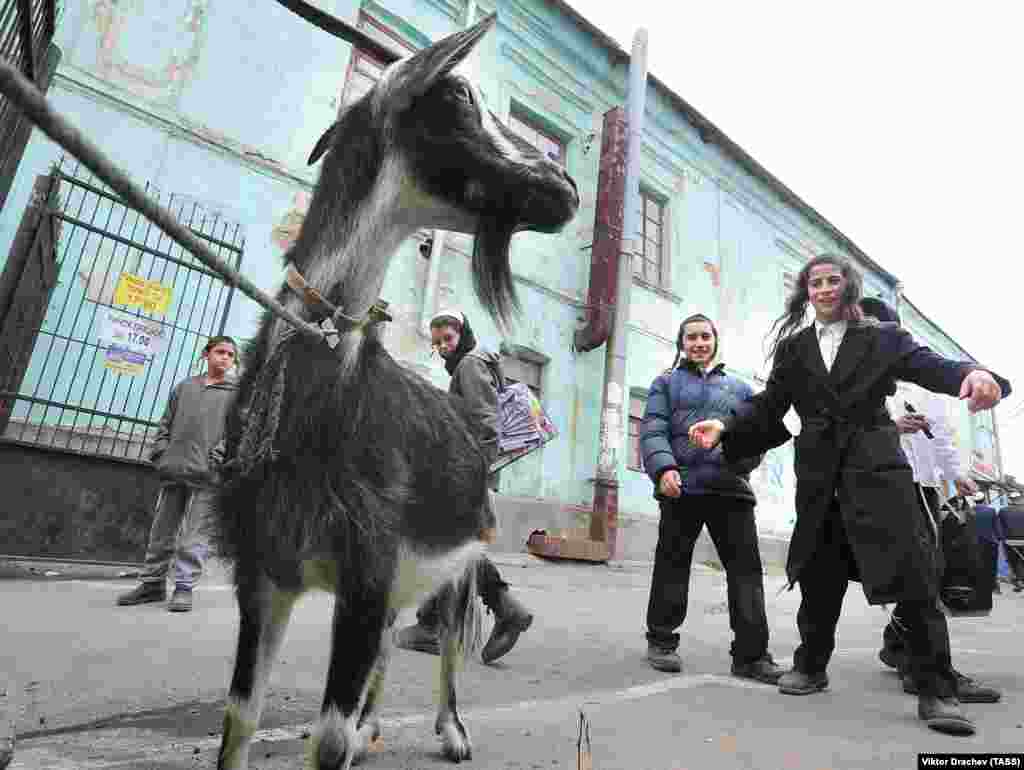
{"x": 604, "y": 520}
{"x": 607, "y": 238}
{"x": 437, "y": 236}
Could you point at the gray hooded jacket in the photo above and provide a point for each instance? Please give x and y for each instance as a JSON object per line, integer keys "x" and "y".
{"x": 193, "y": 423}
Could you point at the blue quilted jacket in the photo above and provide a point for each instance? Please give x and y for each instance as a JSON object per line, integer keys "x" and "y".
{"x": 676, "y": 401}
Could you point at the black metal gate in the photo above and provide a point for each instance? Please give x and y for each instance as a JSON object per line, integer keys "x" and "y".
{"x": 26, "y": 34}
{"x": 82, "y": 258}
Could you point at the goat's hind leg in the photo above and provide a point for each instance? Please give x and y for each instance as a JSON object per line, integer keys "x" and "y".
{"x": 263, "y": 617}
{"x": 460, "y": 632}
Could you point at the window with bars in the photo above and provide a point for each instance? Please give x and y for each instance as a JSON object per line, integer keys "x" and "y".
{"x": 518, "y": 369}
{"x": 649, "y": 260}
{"x": 364, "y": 69}
{"x": 528, "y": 129}
{"x": 637, "y": 404}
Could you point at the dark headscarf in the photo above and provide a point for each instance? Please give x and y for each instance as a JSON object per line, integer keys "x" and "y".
{"x": 467, "y": 340}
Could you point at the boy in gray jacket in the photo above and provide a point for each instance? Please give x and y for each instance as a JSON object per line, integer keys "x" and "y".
{"x": 192, "y": 425}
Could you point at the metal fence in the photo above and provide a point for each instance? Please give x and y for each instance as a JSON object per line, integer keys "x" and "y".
{"x": 26, "y": 31}
{"x": 69, "y": 396}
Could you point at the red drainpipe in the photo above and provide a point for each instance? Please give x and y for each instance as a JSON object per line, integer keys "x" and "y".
{"x": 608, "y": 216}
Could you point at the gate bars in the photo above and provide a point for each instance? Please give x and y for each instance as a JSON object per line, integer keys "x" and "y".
{"x": 28, "y": 98}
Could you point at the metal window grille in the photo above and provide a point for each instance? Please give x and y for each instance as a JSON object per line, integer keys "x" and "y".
{"x": 637, "y": 404}
{"x": 66, "y": 397}
{"x": 544, "y": 141}
{"x": 647, "y": 262}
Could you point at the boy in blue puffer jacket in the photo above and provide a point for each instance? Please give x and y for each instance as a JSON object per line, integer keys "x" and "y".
{"x": 695, "y": 487}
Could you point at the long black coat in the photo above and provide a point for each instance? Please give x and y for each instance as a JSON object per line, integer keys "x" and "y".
{"x": 848, "y": 451}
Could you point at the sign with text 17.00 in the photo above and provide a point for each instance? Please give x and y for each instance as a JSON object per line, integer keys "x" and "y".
{"x": 130, "y": 341}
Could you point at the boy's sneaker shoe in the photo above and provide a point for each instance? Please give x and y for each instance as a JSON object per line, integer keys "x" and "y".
{"x": 664, "y": 660}
{"x": 144, "y": 593}
{"x": 795, "y": 682}
{"x": 181, "y": 600}
{"x": 762, "y": 670}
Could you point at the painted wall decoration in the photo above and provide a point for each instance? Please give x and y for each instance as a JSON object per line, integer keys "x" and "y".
{"x": 150, "y": 47}
{"x": 284, "y": 233}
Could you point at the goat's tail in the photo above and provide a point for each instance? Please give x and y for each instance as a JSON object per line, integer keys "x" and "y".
{"x": 468, "y": 613}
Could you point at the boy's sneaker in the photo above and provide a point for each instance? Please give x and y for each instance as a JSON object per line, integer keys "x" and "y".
{"x": 144, "y": 593}
{"x": 664, "y": 660}
{"x": 763, "y": 669}
{"x": 181, "y": 600}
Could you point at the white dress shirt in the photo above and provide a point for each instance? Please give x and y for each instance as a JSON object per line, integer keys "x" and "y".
{"x": 830, "y": 337}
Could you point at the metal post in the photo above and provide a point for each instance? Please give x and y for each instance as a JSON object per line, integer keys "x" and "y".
{"x": 437, "y": 237}
{"x": 604, "y": 521}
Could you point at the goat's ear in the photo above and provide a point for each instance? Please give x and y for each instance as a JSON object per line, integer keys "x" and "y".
{"x": 415, "y": 75}
{"x": 322, "y": 144}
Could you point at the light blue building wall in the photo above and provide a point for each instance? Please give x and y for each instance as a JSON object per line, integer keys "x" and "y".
{"x": 206, "y": 99}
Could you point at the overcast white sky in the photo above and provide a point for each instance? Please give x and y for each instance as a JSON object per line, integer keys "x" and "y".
{"x": 900, "y": 122}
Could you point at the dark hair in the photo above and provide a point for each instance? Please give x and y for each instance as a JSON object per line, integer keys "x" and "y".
{"x": 796, "y": 304}
{"x": 682, "y": 329}
{"x": 215, "y": 341}
{"x": 879, "y": 310}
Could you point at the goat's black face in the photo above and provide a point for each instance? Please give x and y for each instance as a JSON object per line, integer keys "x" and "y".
{"x": 478, "y": 175}
{"x": 462, "y": 169}
{"x": 462, "y": 154}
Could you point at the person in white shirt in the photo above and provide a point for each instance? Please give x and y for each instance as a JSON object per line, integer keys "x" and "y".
{"x": 927, "y": 440}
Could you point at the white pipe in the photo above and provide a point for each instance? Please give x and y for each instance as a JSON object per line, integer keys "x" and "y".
{"x": 437, "y": 246}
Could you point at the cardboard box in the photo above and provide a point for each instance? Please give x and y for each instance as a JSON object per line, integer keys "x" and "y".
{"x": 572, "y": 544}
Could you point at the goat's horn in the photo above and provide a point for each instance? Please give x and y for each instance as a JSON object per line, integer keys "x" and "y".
{"x": 322, "y": 144}
{"x": 417, "y": 74}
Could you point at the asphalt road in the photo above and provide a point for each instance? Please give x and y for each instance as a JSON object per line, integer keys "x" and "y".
{"x": 90, "y": 685}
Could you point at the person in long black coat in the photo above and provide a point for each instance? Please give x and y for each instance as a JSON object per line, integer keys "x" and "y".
{"x": 857, "y": 513}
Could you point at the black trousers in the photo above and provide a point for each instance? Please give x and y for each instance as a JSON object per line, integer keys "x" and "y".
{"x": 823, "y": 582}
{"x": 488, "y": 585}
{"x": 730, "y": 522}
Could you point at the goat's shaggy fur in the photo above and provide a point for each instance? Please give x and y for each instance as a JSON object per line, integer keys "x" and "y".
{"x": 376, "y": 483}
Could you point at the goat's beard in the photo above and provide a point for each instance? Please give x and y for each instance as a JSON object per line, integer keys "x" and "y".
{"x": 492, "y": 273}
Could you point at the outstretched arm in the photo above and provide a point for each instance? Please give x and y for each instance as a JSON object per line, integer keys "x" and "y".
{"x": 756, "y": 425}
{"x": 922, "y": 366}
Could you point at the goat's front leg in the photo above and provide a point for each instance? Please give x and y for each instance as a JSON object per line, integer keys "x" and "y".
{"x": 263, "y": 617}
{"x": 369, "y": 721}
{"x": 456, "y": 605}
{"x": 343, "y": 733}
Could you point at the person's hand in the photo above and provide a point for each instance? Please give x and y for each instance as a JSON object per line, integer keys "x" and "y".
{"x": 912, "y": 423}
{"x": 707, "y": 433}
{"x": 982, "y": 389}
{"x": 965, "y": 486}
{"x": 670, "y": 484}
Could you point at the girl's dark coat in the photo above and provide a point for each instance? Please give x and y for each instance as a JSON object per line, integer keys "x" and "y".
{"x": 848, "y": 451}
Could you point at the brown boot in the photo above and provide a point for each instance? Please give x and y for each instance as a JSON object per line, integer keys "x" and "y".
{"x": 510, "y": 620}
{"x": 419, "y": 638}
{"x": 944, "y": 715}
{"x": 181, "y": 600}
{"x": 144, "y": 593}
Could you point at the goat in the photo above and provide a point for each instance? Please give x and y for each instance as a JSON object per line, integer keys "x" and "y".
{"x": 375, "y": 483}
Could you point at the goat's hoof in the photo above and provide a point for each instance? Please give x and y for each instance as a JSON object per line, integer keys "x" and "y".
{"x": 455, "y": 743}
{"x": 367, "y": 740}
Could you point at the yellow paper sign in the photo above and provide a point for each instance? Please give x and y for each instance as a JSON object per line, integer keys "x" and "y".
{"x": 151, "y": 296}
